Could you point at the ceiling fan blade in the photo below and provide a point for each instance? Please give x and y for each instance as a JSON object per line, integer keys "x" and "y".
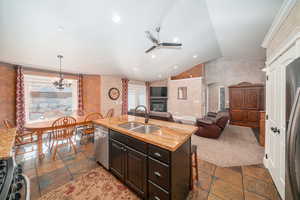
{"x": 150, "y": 49}
{"x": 166, "y": 44}
{"x": 151, "y": 37}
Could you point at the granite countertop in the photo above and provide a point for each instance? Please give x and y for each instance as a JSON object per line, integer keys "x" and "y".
{"x": 170, "y": 136}
{"x": 7, "y": 141}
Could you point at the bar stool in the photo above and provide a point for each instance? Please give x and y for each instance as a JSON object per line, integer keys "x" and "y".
{"x": 194, "y": 165}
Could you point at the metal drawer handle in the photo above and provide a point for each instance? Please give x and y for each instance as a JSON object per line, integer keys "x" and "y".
{"x": 157, "y": 174}
{"x": 157, "y": 154}
{"x": 156, "y": 198}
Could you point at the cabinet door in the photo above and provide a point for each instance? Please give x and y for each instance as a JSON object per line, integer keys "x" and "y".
{"x": 117, "y": 159}
{"x": 236, "y": 98}
{"x": 251, "y": 100}
{"x": 136, "y": 171}
{"x": 238, "y": 115}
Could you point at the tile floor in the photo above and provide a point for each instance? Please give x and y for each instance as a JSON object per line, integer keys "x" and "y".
{"x": 215, "y": 183}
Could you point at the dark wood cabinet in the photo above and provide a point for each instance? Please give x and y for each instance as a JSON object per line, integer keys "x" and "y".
{"x": 136, "y": 171}
{"x": 152, "y": 172}
{"x": 245, "y": 102}
{"x": 117, "y": 159}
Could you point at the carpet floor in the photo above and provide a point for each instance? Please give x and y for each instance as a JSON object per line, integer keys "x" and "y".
{"x": 237, "y": 146}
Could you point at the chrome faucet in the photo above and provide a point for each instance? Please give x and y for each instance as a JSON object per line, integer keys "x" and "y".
{"x": 146, "y": 112}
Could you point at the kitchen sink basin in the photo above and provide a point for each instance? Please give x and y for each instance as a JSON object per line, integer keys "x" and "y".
{"x": 146, "y": 128}
{"x": 139, "y": 127}
{"x": 131, "y": 125}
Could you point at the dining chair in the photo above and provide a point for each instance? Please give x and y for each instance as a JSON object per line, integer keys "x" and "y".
{"x": 63, "y": 131}
{"x": 89, "y": 128}
{"x": 110, "y": 113}
{"x": 22, "y": 137}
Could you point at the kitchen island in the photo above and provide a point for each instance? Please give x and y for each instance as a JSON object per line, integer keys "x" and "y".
{"x": 154, "y": 159}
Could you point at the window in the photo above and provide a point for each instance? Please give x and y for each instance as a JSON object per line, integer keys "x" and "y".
{"x": 43, "y": 101}
{"x": 136, "y": 96}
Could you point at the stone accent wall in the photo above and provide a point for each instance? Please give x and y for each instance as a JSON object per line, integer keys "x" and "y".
{"x": 162, "y": 83}
{"x": 193, "y": 105}
{"x": 230, "y": 71}
{"x": 7, "y": 93}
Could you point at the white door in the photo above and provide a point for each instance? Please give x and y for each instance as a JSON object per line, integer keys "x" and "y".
{"x": 272, "y": 112}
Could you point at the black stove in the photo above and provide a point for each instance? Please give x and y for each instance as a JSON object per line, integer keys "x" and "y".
{"x": 14, "y": 185}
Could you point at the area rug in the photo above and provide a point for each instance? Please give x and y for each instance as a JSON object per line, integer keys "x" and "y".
{"x": 237, "y": 146}
{"x": 98, "y": 184}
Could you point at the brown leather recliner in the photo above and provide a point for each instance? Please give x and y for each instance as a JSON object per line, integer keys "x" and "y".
{"x": 212, "y": 127}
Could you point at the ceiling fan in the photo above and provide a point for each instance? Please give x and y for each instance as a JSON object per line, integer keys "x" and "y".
{"x": 157, "y": 43}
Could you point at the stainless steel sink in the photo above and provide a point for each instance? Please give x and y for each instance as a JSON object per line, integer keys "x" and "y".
{"x": 131, "y": 125}
{"x": 139, "y": 127}
{"x": 146, "y": 129}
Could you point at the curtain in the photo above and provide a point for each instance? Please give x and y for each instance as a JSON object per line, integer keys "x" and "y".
{"x": 148, "y": 95}
{"x": 124, "y": 96}
{"x": 80, "y": 95}
{"x": 20, "y": 99}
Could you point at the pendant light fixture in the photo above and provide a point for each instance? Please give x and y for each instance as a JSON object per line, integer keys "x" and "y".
{"x": 61, "y": 83}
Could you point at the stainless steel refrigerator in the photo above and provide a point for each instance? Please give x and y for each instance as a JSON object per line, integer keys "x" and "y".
{"x": 293, "y": 131}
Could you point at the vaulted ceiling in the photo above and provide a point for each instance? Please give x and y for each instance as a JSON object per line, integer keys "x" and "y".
{"x": 108, "y": 37}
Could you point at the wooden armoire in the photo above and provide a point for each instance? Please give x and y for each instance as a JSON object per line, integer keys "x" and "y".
{"x": 245, "y": 102}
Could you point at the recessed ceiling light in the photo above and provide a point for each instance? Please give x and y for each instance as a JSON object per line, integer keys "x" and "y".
{"x": 116, "y": 18}
{"x": 153, "y": 56}
{"x": 135, "y": 69}
{"x": 195, "y": 56}
{"x": 60, "y": 28}
{"x": 175, "y": 39}
{"x": 175, "y": 66}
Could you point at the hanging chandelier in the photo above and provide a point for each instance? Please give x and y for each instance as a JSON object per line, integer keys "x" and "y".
{"x": 61, "y": 83}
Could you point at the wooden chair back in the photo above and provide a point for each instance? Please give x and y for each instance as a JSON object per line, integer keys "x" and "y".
{"x": 7, "y": 124}
{"x": 65, "y": 128}
{"x": 93, "y": 116}
{"x": 110, "y": 113}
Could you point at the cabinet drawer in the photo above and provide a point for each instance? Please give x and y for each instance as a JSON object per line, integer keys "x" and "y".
{"x": 159, "y": 173}
{"x": 137, "y": 144}
{"x": 118, "y": 136}
{"x": 156, "y": 193}
{"x": 129, "y": 141}
{"x": 159, "y": 153}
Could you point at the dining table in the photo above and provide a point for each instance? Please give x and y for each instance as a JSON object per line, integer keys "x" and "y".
{"x": 43, "y": 127}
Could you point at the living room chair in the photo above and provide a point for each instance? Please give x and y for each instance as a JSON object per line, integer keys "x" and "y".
{"x": 212, "y": 127}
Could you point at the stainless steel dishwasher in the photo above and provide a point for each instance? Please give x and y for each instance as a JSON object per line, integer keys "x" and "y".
{"x": 101, "y": 142}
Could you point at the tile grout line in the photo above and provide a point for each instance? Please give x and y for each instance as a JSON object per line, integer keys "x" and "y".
{"x": 65, "y": 165}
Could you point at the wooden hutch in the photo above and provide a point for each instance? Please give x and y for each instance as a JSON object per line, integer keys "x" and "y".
{"x": 246, "y": 100}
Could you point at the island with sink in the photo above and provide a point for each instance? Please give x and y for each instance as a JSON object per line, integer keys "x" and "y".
{"x": 153, "y": 158}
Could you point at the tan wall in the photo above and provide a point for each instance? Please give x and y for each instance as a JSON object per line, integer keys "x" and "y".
{"x": 292, "y": 21}
{"x": 7, "y": 93}
{"x": 229, "y": 71}
{"x": 162, "y": 83}
{"x": 193, "y": 106}
{"x": 92, "y": 93}
{"x": 108, "y": 82}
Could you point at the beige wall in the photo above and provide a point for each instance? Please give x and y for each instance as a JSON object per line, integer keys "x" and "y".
{"x": 193, "y": 106}
{"x": 7, "y": 93}
{"x": 91, "y": 93}
{"x": 108, "y": 82}
{"x": 288, "y": 26}
{"x": 229, "y": 71}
